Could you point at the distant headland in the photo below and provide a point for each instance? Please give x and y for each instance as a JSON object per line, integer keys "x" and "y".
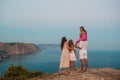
{"x": 17, "y": 48}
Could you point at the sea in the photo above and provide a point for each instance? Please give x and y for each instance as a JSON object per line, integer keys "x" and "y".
{"x": 48, "y": 59}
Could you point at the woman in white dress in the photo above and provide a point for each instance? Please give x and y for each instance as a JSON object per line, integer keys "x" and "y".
{"x": 64, "y": 61}
{"x": 72, "y": 52}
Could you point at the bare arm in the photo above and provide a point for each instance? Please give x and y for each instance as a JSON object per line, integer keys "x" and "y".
{"x": 77, "y": 47}
{"x": 75, "y": 51}
{"x": 68, "y": 46}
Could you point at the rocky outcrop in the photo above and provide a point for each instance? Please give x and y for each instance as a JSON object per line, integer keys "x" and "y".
{"x": 17, "y": 48}
{"x": 91, "y": 74}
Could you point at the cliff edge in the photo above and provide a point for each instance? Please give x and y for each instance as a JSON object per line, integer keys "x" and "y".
{"x": 91, "y": 74}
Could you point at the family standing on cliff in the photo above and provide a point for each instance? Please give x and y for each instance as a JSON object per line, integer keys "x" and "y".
{"x": 68, "y": 56}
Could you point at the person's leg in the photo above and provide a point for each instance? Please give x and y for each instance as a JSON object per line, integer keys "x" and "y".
{"x": 82, "y": 65}
{"x": 66, "y": 69}
{"x": 86, "y": 60}
{"x": 70, "y": 67}
{"x": 82, "y": 60}
{"x": 86, "y": 64}
{"x": 73, "y": 64}
{"x": 60, "y": 69}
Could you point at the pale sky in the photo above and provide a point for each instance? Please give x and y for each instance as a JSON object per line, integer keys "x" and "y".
{"x": 47, "y": 21}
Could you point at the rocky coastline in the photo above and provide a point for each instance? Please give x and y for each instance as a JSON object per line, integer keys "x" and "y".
{"x": 7, "y": 49}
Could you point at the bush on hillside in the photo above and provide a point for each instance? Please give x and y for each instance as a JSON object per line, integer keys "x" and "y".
{"x": 19, "y": 73}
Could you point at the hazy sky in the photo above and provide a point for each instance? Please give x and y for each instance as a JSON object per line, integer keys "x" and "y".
{"x": 47, "y": 21}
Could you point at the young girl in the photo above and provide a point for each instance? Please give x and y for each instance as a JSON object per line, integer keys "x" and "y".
{"x": 64, "y": 61}
{"x": 72, "y": 51}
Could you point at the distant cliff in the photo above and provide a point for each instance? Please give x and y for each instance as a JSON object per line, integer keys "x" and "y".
{"x": 17, "y": 48}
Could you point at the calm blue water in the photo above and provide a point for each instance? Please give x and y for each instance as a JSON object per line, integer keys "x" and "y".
{"x": 48, "y": 60}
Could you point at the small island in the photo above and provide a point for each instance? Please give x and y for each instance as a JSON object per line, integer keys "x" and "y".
{"x": 17, "y": 48}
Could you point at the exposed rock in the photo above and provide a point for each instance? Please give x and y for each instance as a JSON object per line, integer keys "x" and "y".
{"x": 91, "y": 74}
{"x": 17, "y": 48}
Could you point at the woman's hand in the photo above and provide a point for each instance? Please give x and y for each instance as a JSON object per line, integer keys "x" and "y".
{"x": 78, "y": 47}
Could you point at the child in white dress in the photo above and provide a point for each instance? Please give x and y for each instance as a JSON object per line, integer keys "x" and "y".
{"x": 72, "y": 55}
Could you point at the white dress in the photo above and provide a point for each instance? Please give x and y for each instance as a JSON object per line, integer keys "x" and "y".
{"x": 72, "y": 56}
{"x": 64, "y": 61}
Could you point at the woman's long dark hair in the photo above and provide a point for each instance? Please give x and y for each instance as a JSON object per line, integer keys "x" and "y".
{"x": 71, "y": 44}
{"x": 63, "y": 41}
{"x": 83, "y": 30}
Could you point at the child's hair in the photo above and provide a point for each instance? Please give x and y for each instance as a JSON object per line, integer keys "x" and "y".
{"x": 63, "y": 41}
{"x": 71, "y": 44}
{"x": 83, "y": 29}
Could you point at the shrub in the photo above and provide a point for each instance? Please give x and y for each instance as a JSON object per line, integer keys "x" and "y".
{"x": 19, "y": 73}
